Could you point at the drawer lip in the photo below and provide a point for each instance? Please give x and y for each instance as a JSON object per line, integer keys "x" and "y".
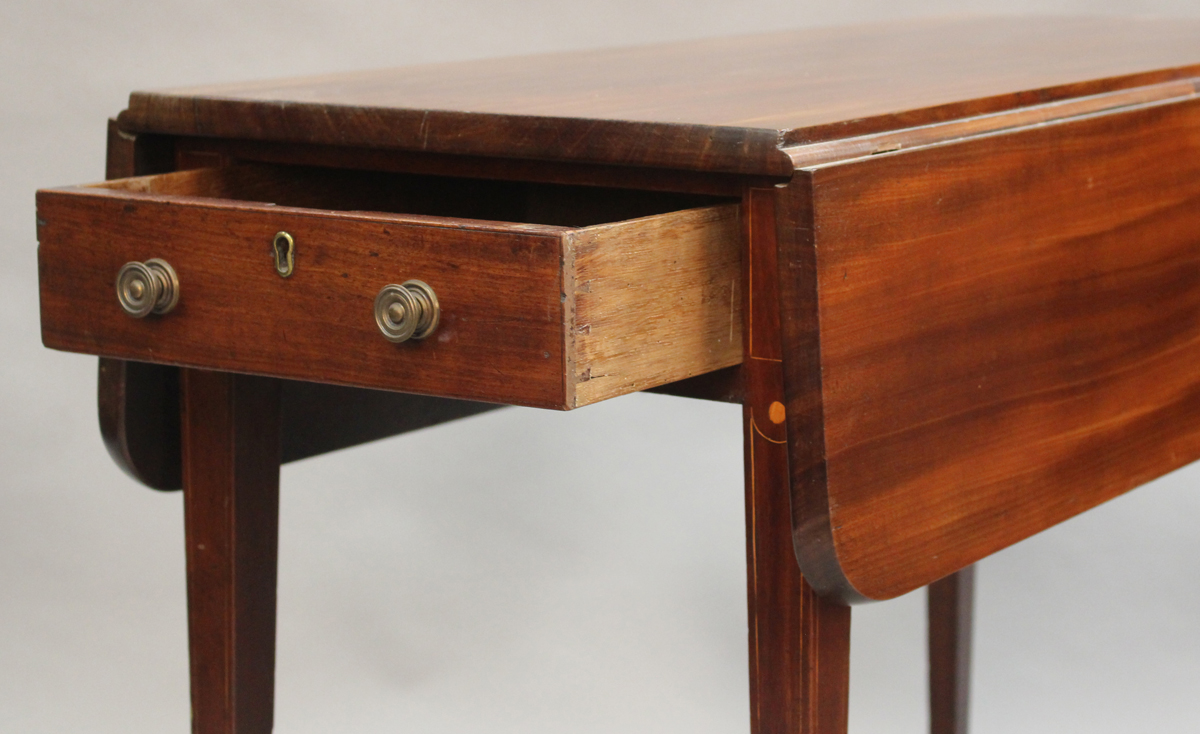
{"x": 509, "y": 292}
{"x": 124, "y": 188}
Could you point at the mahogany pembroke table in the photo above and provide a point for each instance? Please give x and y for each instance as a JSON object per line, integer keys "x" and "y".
{"x": 950, "y": 269}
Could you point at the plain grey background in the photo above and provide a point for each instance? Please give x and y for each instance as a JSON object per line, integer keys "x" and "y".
{"x": 521, "y": 571}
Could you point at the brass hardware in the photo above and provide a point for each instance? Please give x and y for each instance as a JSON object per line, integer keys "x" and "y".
{"x": 146, "y": 288}
{"x": 407, "y": 311}
{"x": 283, "y": 248}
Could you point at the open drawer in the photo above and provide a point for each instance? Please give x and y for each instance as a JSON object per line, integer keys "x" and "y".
{"x": 548, "y": 296}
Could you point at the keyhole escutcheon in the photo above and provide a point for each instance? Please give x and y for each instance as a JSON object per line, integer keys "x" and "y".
{"x": 284, "y": 250}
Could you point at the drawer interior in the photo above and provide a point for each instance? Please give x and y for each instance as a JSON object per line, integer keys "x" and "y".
{"x": 333, "y": 189}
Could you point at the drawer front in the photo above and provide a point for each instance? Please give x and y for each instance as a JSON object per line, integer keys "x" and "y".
{"x": 530, "y": 314}
{"x": 500, "y": 337}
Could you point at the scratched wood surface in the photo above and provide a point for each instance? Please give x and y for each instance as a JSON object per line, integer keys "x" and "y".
{"x": 1009, "y": 327}
{"x": 715, "y": 105}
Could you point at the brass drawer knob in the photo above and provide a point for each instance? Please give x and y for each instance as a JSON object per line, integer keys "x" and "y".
{"x": 146, "y": 288}
{"x": 407, "y": 311}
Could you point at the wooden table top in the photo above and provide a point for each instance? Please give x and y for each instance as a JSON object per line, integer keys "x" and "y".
{"x": 713, "y": 105}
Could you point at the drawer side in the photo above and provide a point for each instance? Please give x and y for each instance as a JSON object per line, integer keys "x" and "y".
{"x": 655, "y": 301}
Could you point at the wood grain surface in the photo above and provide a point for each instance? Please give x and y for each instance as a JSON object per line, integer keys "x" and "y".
{"x": 799, "y": 641}
{"x": 830, "y": 151}
{"x": 139, "y": 418}
{"x": 138, "y": 408}
{"x": 715, "y": 105}
{"x": 1008, "y": 329}
{"x": 655, "y": 301}
{"x": 231, "y": 518}
{"x": 655, "y": 294}
{"x": 499, "y": 286}
{"x": 643, "y": 179}
{"x": 137, "y": 402}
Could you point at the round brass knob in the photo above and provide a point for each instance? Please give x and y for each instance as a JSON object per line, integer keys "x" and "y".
{"x": 407, "y": 311}
{"x": 146, "y": 288}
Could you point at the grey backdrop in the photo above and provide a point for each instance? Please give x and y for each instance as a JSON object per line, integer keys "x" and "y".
{"x": 522, "y": 571}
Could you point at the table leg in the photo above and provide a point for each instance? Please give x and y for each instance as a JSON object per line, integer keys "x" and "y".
{"x": 231, "y": 514}
{"x": 951, "y": 606}
{"x": 799, "y": 642}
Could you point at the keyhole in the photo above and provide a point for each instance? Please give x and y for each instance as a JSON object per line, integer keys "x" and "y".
{"x": 284, "y": 249}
